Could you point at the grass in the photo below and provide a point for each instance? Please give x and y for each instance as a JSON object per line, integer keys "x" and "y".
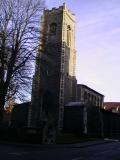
{"x": 67, "y": 138}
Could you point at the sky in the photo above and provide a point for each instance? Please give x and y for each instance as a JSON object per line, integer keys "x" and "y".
{"x": 97, "y": 44}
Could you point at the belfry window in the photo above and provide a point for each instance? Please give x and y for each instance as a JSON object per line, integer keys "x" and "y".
{"x": 53, "y": 28}
{"x": 68, "y": 35}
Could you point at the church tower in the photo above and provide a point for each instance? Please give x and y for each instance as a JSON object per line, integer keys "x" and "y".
{"x": 54, "y": 82}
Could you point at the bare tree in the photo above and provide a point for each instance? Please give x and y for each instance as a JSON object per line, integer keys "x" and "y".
{"x": 19, "y": 40}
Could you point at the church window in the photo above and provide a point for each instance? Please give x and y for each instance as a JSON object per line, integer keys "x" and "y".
{"x": 68, "y": 35}
{"x": 53, "y": 28}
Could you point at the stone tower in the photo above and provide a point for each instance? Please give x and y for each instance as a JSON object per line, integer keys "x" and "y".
{"x": 54, "y": 82}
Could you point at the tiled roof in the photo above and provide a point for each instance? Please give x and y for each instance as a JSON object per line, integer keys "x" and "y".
{"x": 112, "y": 105}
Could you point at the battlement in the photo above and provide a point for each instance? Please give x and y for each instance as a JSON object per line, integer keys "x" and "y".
{"x": 60, "y": 9}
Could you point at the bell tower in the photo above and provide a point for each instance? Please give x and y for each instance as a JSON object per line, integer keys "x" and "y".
{"x": 54, "y": 82}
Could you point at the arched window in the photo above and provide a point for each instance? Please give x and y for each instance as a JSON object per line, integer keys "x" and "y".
{"x": 68, "y": 35}
{"x": 53, "y": 28}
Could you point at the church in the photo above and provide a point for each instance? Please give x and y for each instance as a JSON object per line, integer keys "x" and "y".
{"x": 54, "y": 81}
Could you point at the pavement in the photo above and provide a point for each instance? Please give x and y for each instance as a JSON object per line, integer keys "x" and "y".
{"x": 91, "y": 143}
{"x": 55, "y": 146}
{"x": 105, "y": 149}
{"x": 81, "y": 144}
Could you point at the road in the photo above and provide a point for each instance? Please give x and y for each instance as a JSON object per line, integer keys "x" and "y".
{"x": 107, "y": 151}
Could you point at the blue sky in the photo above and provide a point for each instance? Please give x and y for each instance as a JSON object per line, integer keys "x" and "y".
{"x": 97, "y": 44}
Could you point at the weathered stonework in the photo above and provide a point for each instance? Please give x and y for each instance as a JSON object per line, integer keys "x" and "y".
{"x": 54, "y": 82}
{"x": 90, "y": 96}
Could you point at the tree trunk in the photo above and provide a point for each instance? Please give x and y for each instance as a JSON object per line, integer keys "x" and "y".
{"x": 2, "y": 101}
{"x": 2, "y": 104}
